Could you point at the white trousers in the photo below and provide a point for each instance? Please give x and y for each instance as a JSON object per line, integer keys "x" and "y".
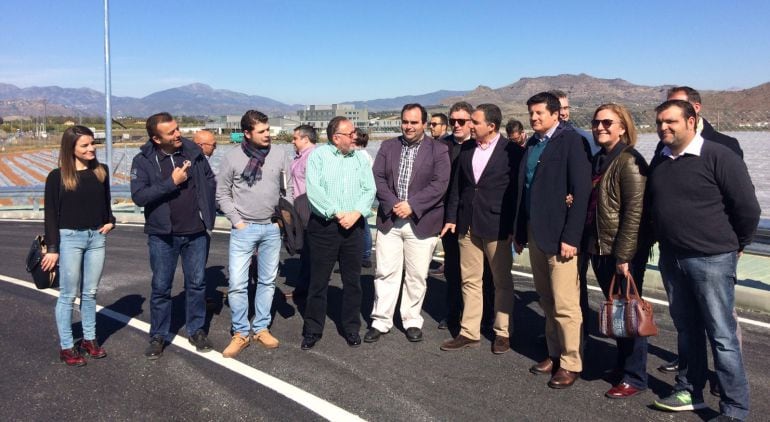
{"x": 399, "y": 252}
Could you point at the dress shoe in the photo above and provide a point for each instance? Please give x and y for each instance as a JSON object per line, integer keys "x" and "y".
{"x": 155, "y": 349}
{"x": 71, "y": 357}
{"x": 443, "y": 324}
{"x": 414, "y": 334}
{"x": 501, "y": 345}
{"x": 92, "y": 349}
{"x": 669, "y": 367}
{"x": 201, "y": 342}
{"x": 309, "y": 341}
{"x": 353, "y": 339}
{"x": 459, "y": 342}
{"x": 373, "y": 334}
{"x": 622, "y": 391}
{"x": 563, "y": 378}
{"x": 544, "y": 367}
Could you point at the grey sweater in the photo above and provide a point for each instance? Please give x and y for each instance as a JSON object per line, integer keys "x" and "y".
{"x": 252, "y": 204}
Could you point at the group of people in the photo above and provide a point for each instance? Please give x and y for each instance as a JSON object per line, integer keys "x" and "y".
{"x": 572, "y": 197}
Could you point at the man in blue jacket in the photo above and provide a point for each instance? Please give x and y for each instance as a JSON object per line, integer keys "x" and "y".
{"x": 555, "y": 164}
{"x": 172, "y": 180}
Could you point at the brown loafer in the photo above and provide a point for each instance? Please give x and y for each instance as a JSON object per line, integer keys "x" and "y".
{"x": 501, "y": 345}
{"x": 459, "y": 342}
{"x": 563, "y": 378}
{"x": 544, "y": 367}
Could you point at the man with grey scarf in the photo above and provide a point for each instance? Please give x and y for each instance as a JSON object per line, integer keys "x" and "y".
{"x": 248, "y": 188}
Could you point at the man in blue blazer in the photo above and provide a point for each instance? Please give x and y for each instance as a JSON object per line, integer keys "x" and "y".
{"x": 555, "y": 165}
{"x": 411, "y": 173}
{"x": 481, "y": 210}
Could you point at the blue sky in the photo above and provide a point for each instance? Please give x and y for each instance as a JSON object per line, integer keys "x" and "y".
{"x": 332, "y": 51}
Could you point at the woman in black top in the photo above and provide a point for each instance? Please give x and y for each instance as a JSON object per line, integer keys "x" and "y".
{"x": 78, "y": 215}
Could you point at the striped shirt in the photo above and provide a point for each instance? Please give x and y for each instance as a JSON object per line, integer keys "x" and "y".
{"x": 408, "y": 152}
{"x": 339, "y": 183}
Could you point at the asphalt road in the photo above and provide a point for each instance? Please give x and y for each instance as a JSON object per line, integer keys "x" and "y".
{"x": 385, "y": 381}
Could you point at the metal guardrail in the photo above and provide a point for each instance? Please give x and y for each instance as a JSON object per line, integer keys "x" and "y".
{"x": 35, "y": 194}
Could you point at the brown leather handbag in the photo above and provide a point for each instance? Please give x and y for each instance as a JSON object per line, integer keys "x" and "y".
{"x": 626, "y": 315}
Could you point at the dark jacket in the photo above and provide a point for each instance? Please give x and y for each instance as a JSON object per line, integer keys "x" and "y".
{"x": 709, "y": 133}
{"x": 148, "y": 190}
{"x": 619, "y": 206}
{"x": 564, "y": 168}
{"x": 486, "y": 207}
{"x": 453, "y": 150}
{"x": 429, "y": 181}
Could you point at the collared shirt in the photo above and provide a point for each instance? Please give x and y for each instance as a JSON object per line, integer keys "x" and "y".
{"x": 408, "y": 152}
{"x": 699, "y": 128}
{"x": 533, "y": 158}
{"x": 693, "y": 148}
{"x": 339, "y": 182}
{"x": 298, "y": 168}
{"x": 481, "y": 156}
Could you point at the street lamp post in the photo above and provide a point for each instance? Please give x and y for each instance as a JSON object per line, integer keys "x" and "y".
{"x": 107, "y": 87}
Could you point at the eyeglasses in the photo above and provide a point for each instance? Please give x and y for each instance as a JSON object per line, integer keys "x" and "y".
{"x": 434, "y": 124}
{"x": 460, "y": 122}
{"x": 349, "y": 135}
{"x": 606, "y": 123}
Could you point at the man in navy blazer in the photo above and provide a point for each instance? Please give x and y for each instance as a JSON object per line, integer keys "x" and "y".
{"x": 555, "y": 165}
{"x": 411, "y": 173}
{"x": 481, "y": 210}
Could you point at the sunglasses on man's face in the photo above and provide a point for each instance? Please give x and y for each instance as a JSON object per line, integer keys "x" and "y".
{"x": 460, "y": 122}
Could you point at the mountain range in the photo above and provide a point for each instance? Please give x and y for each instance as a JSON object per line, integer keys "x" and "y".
{"x": 203, "y": 100}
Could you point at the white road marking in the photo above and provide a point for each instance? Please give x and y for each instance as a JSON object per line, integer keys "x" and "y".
{"x": 316, "y": 404}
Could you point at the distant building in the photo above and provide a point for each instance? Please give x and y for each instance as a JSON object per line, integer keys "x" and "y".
{"x": 232, "y": 123}
{"x": 319, "y": 116}
{"x": 387, "y": 124}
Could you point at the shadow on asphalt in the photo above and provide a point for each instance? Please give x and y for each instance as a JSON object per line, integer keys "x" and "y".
{"x": 130, "y": 305}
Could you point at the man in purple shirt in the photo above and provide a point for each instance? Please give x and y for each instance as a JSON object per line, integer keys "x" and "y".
{"x": 485, "y": 185}
{"x": 304, "y": 140}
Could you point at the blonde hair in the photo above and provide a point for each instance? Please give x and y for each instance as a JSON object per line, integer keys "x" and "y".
{"x": 625, "y": 120}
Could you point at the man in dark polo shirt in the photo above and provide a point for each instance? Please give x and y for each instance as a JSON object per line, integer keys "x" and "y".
{"x": 172, "y": 180}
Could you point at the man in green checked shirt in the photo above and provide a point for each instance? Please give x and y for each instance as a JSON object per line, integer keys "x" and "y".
{"x": 340, "y": 188}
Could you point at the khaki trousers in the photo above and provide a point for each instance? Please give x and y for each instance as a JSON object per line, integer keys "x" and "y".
{"x": 498, "y": 253}
{"x": 556, "y": 281}
{"x": 400, "y": 251}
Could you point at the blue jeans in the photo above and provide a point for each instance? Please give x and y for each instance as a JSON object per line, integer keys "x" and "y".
{"x": 164, "y": 254}
{"x": 267, "y": 239}
{"x": 81, "y": 258}
{"x": 701, "y": 293}
{"x": 367, "y": 241}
